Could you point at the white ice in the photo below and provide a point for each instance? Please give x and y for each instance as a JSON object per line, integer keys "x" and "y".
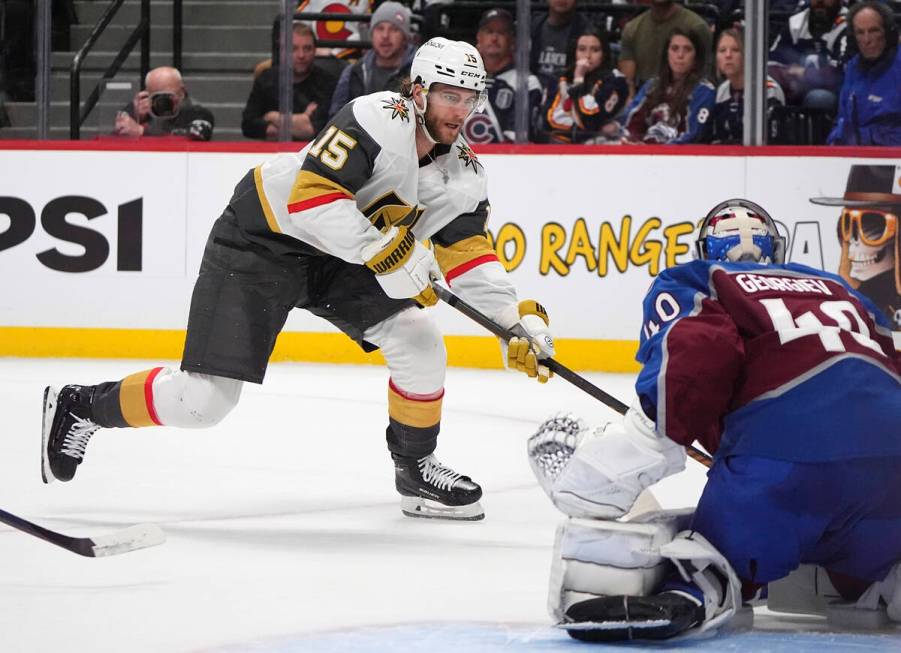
{"x": 284, "y": 532}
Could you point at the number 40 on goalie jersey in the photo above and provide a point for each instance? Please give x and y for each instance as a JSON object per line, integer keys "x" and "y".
{"x": 781, "y": 361}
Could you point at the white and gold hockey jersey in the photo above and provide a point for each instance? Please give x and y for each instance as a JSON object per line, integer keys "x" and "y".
{"x": 360, "y": 176}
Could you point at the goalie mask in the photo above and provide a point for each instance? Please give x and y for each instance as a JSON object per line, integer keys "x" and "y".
{"x": 739, "y": 230}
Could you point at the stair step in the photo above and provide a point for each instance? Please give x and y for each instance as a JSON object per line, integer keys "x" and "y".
{"x": 198, "y": 39}
{"x": 90, "y": 133}
{"x": 227, "y": 114}
{"x": 221, "y": 88}
{"x": 231, "y": 12}
{"x": 226, "y": 62}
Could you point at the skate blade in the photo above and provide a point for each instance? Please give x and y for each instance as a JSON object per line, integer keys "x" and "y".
{"x": 50, "y": 395}
{"x": 428, "y": 509}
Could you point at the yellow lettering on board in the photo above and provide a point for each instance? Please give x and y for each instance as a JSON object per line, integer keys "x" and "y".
{"x": 673, "y": 247}
{"x": 610, "y": 245}
{"x": 580, "y": 245}
{"x": 645, "y": 251}
{"x": 510, "y": 234}
{"x": 553, "y": 237}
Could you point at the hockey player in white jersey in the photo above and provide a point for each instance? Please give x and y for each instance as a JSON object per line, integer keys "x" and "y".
{"x": 337, "y": 229}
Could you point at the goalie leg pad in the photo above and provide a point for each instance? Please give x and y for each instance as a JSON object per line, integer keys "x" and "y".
{"x": 594, "y": 558}
{"x": 699, "y": 563}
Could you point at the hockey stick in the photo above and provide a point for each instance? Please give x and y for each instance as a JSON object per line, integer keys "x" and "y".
{"x": 128, "y": 539}
{"x": 555, "y": 366}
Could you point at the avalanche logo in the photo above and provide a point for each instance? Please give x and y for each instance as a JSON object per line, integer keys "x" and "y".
{"x": 468, "y": 157}
{"x": 398, "y": 108}
{"x": 478, "y": 129}
{"x": 333, "y": 29}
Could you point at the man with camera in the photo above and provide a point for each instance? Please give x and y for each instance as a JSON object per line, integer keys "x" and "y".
{"x": 164, "y": 108}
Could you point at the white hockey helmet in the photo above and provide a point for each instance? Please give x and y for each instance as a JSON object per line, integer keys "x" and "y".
{"x": 739, "y": 230}
{"x": 455, "y": 63}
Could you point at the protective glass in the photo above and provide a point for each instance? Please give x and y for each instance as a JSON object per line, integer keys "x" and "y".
{"x": 872, "y": 226}
{"x": 452, "y": 99}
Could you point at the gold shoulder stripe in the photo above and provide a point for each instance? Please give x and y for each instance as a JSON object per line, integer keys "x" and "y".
{"x": 264, "y": 201}
{"x": 309, "y": 187}
{"x": 462, "y": 252}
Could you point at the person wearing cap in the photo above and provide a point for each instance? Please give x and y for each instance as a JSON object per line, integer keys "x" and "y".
{"x": 496, "y": 42}
{"x": 870, "y": 235}
{"x": 869, "y": 106}
{"x": 384, "y": 67}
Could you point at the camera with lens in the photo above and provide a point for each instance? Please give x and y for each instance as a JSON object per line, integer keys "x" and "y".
{"x": 162, "y": 105}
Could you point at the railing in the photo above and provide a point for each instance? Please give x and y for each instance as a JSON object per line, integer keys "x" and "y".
{"x": 141, "y": 32}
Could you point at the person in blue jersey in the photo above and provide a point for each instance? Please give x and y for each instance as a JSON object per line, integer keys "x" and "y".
{"x": 677, "y": 104}
{"x": 790, "y": 378}
{"x": 869, "y": 106}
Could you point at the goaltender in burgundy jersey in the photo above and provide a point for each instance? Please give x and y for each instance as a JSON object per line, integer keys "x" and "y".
{"x": 767, "y": 360}
{"x": 363, "y": 171}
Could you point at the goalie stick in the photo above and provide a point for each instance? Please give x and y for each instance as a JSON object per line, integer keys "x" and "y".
{"x": 128, "y": 539}
{"x": 556, "y": 367}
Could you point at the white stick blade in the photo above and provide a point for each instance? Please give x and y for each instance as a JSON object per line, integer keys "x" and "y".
{"x": 128, "y": 539}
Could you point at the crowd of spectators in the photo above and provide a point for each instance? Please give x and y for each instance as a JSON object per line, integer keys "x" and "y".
{"x": 657, "y": 71}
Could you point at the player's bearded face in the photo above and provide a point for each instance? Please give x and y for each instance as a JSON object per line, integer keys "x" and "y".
{"x": 447, "y": 109}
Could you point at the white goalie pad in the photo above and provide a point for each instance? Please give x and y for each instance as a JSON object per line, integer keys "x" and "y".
{"x": 889, "y": 591}
{"x": 600, "y": 472}
{"x": 806, "y": 590}
{"x": 698, "y": 561}
{"x": 602, "y": 558}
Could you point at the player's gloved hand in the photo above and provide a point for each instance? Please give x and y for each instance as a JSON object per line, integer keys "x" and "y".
{"x": 403, "y": 266}
{"x": 532, "y": 342}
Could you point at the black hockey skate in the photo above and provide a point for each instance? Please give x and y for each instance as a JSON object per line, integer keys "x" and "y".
{"x": 68, "y": 425}
{"x": 429, "y": 489}
{"x": 620, "y": 618}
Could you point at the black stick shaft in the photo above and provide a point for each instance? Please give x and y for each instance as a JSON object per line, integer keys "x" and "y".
{"x": 26, "y": 526}
{"x": 556, "y": 367}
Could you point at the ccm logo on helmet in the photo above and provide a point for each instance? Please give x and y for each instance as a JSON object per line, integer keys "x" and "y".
{"x": 466, "y": 73}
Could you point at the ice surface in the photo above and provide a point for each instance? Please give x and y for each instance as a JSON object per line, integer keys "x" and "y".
{"x": 284, "y": 531}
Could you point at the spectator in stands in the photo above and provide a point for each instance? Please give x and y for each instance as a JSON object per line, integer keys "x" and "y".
{"x": 590, "y": 95}
{"x": 808, "y": 56}
{"x": 164, "y": 108}
{"x": 312, "y": 94}
{"x": 553, "y": 34}
{"x": 728, "y": 113}
{"x": 496, "y": 43}
{"x": 869, "y": 109}
{"x": 645, "y": 37}
{"x": 676, "y": 105}
{"x": 385, "y": 66}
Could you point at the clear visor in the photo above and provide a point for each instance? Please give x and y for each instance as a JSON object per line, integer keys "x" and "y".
{"x": 454, "y": 98}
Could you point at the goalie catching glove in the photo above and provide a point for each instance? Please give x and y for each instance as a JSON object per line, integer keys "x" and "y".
{"x": 403, "y": 266}
{"x": 532, "y": 340}
{"x": 600, "y": 472}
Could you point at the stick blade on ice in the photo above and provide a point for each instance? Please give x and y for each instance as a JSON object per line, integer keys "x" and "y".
{"x": 140, "y": 536}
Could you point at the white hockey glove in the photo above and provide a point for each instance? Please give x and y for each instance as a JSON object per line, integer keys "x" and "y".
{"x": 532, "y": 342}
{"x": 600, "y": 472}
{"x": 403, "y": 266}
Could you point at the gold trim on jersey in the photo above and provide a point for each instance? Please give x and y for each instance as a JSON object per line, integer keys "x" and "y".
{"x": 462, "y": 252}
{"x": 311, "y": 190}
{"x": 391, "y": 210}
{"x": 264, "y": 201}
